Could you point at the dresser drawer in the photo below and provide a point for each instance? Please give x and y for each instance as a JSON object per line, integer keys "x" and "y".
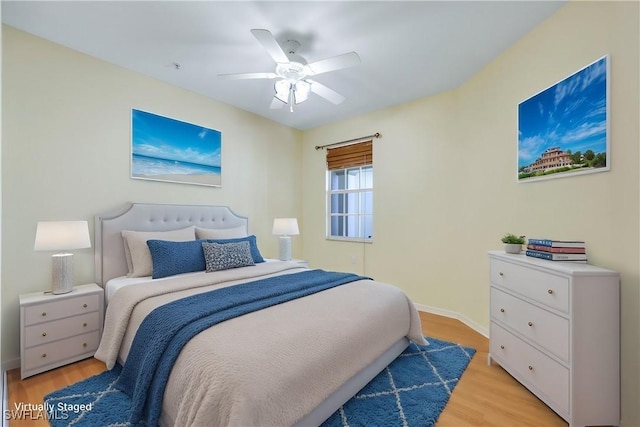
{"x": 43, "y": 333}
{"x": 546, "y": 288}
{"x": 531, "y": 367}
{"x": 47, "y": 311}
{"x": 540, "y": 326}
{"x": 60, "y": 350}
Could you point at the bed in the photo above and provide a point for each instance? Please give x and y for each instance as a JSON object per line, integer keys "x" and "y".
{"x": 291, "y": 363}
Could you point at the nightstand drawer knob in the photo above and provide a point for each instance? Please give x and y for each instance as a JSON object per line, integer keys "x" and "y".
{"x": 84, "y": 305}
{"x": 530, "y": 368}
{"x": 44, "y": 334}
{"x": 84, "y": 344}
{"x": 502, "y": 310}
{"x": 44, "y": 313}
{"x": 530, "y": 323}
{"x": 550, "y": 291}
{"x": 44, "y": 354}
{"x": 501, "y": 273}
{"x": 501, "y": 347}
{"x": 84, "y": 325}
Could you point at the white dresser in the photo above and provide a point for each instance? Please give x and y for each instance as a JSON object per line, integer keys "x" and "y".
{"x": 555, "y": 327}
{"x": 59, "y": 329}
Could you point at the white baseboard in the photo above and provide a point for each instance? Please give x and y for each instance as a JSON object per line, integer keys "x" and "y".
{"x": 10, "y": 364}
{"x": 454, "y": 315}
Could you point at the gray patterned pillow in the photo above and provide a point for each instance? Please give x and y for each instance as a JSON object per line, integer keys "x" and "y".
{"x": 228, "y": 255}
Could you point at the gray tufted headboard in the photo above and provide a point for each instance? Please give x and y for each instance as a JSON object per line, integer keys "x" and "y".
{"x": 110, "y": 261}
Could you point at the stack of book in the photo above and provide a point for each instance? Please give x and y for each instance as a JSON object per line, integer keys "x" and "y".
{"x": 557, "y": 250}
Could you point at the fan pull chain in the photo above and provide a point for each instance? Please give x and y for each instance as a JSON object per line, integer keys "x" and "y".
{"x": 291, "y": 98}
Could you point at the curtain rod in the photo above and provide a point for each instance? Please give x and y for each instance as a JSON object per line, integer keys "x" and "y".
{"x": 375, "y": 135}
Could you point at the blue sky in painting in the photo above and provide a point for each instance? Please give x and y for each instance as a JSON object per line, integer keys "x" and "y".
{"x": 571, "y": 115}
{"x": 163, "y": 138}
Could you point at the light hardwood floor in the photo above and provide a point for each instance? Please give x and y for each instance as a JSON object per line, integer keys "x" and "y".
{"x": 485, "y": 396}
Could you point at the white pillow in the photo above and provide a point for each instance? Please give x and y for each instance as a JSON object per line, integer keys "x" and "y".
{"x": 221, "y": 233}
{"x": 137, "y": 252}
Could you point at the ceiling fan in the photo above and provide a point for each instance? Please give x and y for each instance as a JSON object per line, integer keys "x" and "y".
{"x": 292, "y": 71}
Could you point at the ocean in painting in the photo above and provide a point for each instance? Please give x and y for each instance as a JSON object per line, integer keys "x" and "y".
{"x": 150, "y": 166}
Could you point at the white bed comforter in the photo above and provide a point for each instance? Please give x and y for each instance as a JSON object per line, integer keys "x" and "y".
{"x": 271, "y": 367}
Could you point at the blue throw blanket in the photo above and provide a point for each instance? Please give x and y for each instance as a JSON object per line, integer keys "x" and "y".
{"x": 167, "y": 329}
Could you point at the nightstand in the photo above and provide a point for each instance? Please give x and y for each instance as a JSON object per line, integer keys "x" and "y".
{"x": 56, "y": 330}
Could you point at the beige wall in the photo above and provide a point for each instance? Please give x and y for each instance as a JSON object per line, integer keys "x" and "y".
{"x": 438, "y": 207}
{"x": 445, "y": 187}
{"x": 66, "y": 148}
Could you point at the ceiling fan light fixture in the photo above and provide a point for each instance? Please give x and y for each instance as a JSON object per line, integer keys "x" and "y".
{"x": 301, "y": 91}
{"x": 282, "y": 88}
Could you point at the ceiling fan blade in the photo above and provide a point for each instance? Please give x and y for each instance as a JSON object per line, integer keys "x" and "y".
{"x": 244, "y": 76}
{"x": 328, "y": 94}
{"x": 334, "y": 63}
{"x": 269, "y": 42}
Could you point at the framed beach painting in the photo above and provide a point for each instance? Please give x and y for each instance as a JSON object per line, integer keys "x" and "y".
{"x": 164, "y": 149}
{"x": 564, "y": 130}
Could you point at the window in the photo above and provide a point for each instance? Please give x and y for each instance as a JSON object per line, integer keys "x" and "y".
{"x": 350, "y": 192}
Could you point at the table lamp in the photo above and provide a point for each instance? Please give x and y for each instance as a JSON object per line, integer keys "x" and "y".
{"x": 62, "y": 236}
{"x": 285, "y": 228}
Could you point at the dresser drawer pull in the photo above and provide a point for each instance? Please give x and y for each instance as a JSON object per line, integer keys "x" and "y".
{"x": 84, "y": 344}
{"x": 44, "y": 355}
{"x": 502, "y": 347}
{"x": 44, "y": 334}
{"x": 530, "y": 368}
{"x": 84, "y": 325}
{"x": 550, "y": 291}
{"x": 44, "y": 313}
{"x": 84, "y": 305}
{"x": 501, "y": 273}
{"x": 502, "y": 310}
{"x": 530, "y": 323}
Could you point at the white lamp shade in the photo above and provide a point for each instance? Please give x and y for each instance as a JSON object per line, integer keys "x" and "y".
{"x": 283, "y": 88}
{"x": 62, "y": 235}
{"x": 301, "y": 92}
{"x": 285, "y": 227}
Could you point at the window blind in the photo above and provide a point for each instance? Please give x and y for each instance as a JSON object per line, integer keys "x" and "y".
{"x": 348, "y": 156}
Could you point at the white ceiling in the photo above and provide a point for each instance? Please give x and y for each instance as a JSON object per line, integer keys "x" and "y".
{"x": 409, "y": 50}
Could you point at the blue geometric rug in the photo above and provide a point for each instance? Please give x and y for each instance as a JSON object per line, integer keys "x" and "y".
{"x": 412, "y": 391}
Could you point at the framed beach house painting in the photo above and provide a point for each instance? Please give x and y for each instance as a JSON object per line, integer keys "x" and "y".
{"x": 564, "y": 130}
{"x": 164, "y": 149}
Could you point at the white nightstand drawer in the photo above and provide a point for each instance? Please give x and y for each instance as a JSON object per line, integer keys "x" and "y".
{"x": 47, "y": 311}
{"x": 57, "y": 351}
{"x": 59, "y": 329}
{"x": 547, "y": 288}
{"x": 43, "y": 333}
{"x": 533, "y": 368}
{"x": 540, "y": 326}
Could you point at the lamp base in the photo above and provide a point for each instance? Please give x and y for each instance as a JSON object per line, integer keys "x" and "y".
{"x": 285, "y": 248}
{"x": 62, "y": 273}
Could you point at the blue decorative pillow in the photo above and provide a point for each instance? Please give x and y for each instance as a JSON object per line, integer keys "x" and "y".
{"x": 255, "y": 253}
{"x": 225, "y": 256}
{"x": 171, "y": 258}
